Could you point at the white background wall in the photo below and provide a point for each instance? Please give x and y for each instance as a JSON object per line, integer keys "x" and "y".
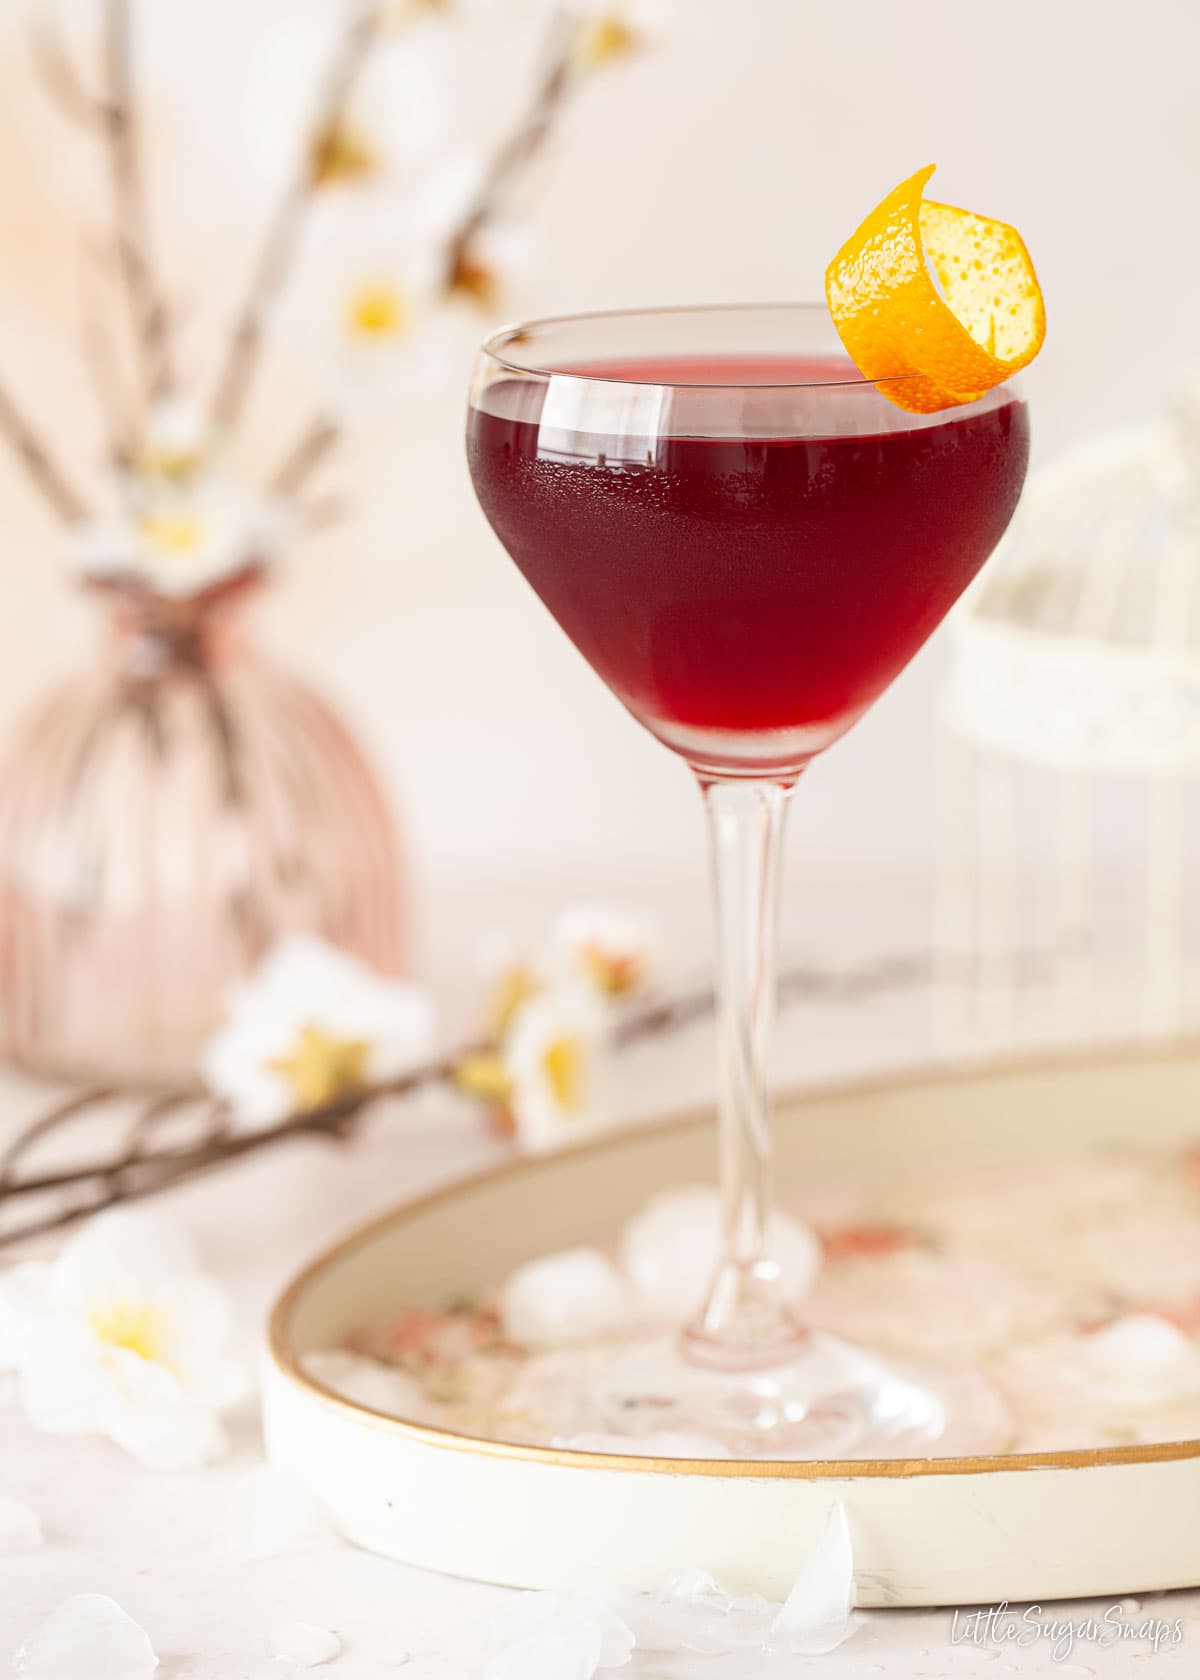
{"x": 730, "y": 164}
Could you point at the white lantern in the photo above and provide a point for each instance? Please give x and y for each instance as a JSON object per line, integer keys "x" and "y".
{"x": 1069, "y": 755}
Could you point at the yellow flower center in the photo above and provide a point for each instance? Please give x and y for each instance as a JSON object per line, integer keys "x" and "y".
{"x": 475, "y": 281}
{"x": 377, "y": 311}
{"x": 511, "y": 992}
{"x": 484, "y": 1076}
{"x": 132, "y": 1326}
{"x": 616, "y": 973}
{"x": 401, "y": 14}
{"x": 340, "y": 156}
{"x": 607, "y": 39}
{"x": 177, "y": 466}
{"x": 174, "y": 534}
{"x": 322, "y": 1067}
{"x": 563, "y": 1066}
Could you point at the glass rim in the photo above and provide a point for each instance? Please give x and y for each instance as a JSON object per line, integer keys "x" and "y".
{"x": 495, "y": 346}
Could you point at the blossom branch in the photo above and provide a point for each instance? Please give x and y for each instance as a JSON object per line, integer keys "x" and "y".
{"x": 283, "y": 234}
{"x": 149, "y": 314}
{"x": 509, "y": 163}
{"x": 143, "y": 1167}
{"x": 324, "y": 515}
{"x": 519, "y": 150}
{"x": 57, "y": 73}
{"x": 109, "y": 387}
{"x": 314, "y": 444}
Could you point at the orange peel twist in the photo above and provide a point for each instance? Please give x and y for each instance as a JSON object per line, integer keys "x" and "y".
{"x": 941, "y": 301}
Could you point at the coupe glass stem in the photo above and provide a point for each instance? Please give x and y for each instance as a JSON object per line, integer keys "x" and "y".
{"x": 747, "y": 1320}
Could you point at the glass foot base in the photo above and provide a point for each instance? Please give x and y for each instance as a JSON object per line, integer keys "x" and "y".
{"x": 827, "y": 1400}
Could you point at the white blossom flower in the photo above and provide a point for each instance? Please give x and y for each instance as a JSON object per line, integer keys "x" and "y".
{"x": 386, "y": 305}
{"x": 178, "y": 540}
{"x": 511, "y": 974}
{"x": 489, "y": 274}
{"x": 499, "y": 253}
{"x": 395, "y": 119}
{"x": 313, "y": 1024}
{"x": 371, "y": 312}
{"x": 176, "y": 445}
{"x": 615, "y": 951}
{"x": 124, "y": 1336}
{"x": 609, "y": 33}
{"x": 555, "y": 1057}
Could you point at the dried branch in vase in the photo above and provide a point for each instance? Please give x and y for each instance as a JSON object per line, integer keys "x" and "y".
{"x": 375, "y": 313}
{"x": 151, "y": 325}
{"x": 283, "y": 235}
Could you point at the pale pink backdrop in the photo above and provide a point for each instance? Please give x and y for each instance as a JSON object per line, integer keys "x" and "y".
{"x": 727, "y": 165}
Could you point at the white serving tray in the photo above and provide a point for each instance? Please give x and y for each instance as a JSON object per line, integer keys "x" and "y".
{"x": 925, "y": 1531}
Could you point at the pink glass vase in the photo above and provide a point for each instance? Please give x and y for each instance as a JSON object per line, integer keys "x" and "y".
{"x": 164, "y": 819}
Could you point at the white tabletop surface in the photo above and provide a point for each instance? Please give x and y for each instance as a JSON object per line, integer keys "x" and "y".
{"x": 163, "y": 1546}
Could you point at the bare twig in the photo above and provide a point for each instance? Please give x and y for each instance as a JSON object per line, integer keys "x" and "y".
{"x": 314, "y": 444}
{"x": 96, "y": 347}
{"x": 324, "y": 514}
{"x": 797, "y": 985}
{"x": 150, "y": 320}
{"x": 108, "y": 381}
{"x": 80, "y": 1102}
{"x": 58, "y": 74}
{"x": 520, "y": 148}
{"x": 282, "y": 241}
{"x": 31, "y": 451}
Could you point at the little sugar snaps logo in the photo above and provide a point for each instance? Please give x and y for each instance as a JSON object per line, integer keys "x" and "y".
{"x": 999, "y": 1625}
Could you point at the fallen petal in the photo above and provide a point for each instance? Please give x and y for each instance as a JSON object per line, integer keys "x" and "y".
{"x": 815, "y": 1642}
{"x": 89, "y": 1635}
{"x": 575, "y": 1296}
{"x": 305, "y": 1644}
{"x": 816, "y": 1616}
{"x": 20, "y": 1530}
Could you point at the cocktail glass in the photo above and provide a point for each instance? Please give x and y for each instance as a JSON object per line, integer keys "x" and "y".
{"x": 747, "y": 541}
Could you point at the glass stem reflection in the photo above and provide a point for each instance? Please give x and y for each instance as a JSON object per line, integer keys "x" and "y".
{"x": 747, "y": 1320}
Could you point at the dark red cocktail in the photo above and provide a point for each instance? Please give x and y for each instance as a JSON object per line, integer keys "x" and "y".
{"x": 747, "y": 577}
